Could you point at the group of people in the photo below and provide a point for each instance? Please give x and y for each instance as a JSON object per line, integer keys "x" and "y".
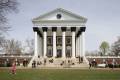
{"x": 25, "y": 63}
{"x": 34, "y": 64}
{"x": 92, "y": 64}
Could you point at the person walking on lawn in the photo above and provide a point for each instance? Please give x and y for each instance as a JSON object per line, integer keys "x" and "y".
{"x": 13, "y": 69}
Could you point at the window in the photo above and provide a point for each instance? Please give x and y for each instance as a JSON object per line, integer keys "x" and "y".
{"x": 59, "y": 52}
{"x": 68, "y": 52}
{"x": 68, "y": 41}
{"x": 49, "y": 41}
{"x": 59, "y": 40}
{"x": 58, "y": 16}
{"x": 49, "y": 54}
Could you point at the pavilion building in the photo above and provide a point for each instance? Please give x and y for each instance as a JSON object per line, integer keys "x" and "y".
{"x": 59, "y": 35}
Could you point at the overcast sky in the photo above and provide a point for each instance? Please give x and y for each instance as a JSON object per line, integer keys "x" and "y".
{"x": 103, "y": 18}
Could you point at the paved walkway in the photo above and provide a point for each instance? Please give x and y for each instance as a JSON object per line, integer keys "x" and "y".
{"x": 62, "y": 68}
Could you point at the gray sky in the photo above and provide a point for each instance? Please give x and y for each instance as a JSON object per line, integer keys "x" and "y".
{"x": 103, "y": 18}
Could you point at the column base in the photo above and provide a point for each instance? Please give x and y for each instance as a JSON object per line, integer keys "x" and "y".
{"x": 73, "y": 57}
{"x": 45, "y": 57}
{"x": 80, "y": 59}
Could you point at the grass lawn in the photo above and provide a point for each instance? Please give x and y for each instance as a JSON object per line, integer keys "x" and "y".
{"x": 60, "y": 74}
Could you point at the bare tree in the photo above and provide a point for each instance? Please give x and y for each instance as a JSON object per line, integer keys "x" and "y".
{"x": 28, "y": 46}
{"x": 6, "y": 7}
{"x": 12, "y": 47}
{"x": 116, "y": 47}
{"x": 92, "y": 53}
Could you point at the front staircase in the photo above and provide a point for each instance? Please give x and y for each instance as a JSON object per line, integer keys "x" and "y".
{"x": 60, "y": 62}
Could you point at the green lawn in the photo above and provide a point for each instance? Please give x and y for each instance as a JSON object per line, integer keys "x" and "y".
{"x": 60, "y": 74}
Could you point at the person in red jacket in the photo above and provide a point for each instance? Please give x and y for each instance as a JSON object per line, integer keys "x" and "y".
{"x": 13, "y": 69}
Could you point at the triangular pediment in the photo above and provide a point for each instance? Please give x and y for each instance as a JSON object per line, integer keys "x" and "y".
{"x": 60, "y": 15}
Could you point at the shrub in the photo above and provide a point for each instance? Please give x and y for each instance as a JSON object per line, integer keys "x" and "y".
{"x": 115, "y": 66}
{"x": 2, "y": 65}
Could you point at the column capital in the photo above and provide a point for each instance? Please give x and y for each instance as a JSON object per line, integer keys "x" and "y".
{"x": 63, "y": 29}
{"x": 54, "y": 29}
{"x": 82, "y": 29}
{"x": 36, "y": 29}
{"x": 73, "y": 29}
{"x": 44, "y": 29}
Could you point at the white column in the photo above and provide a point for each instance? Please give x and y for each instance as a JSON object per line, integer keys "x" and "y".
{"x": 63, "y": 44}
{"x": 54, "y": 43}
{"x": 44, "y": 43}
{"x": 83, "y": 44}
{"x": 36, "y": 44}
{"x": 76, "y": 46}
{"x": 40, "y": 46}
{"x": 80, "y": 48}
{"x": 73, "y": 44}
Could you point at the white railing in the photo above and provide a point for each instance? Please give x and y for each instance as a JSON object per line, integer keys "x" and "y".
{"x": 86, "y": 60}
{"x": 102, "y": 56}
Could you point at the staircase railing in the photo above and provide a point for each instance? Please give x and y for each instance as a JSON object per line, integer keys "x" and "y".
{"x": 86, "y": 60}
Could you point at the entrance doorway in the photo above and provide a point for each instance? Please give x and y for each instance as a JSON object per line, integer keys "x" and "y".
{"x": 68, "y": 52}
{"x": 59, "y": 53}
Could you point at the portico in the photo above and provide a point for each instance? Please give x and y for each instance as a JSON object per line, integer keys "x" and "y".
{"x": 66, "y": 38}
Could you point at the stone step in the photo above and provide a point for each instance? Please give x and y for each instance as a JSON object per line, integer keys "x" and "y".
{"x": 82, "y": 65}
{"x": 59, "y": 62}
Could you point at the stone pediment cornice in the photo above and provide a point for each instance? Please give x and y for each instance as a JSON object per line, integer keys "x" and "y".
{"x": 51, "y": 21}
